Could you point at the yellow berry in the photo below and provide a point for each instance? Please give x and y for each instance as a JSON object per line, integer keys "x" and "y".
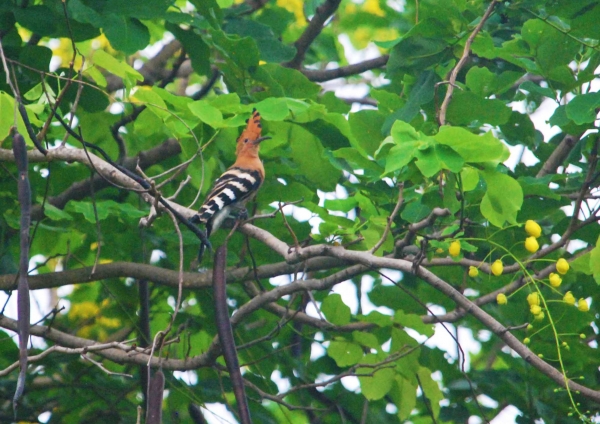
{"x": 473, "y": 272}
{"x": 564, "y": 344}
{"x": 555, "y": 280}
{"x": 533, "y": 228}
{"x": 541, "y": 355}
{"x": 568, "y": 298}
{"x": 582, "y": 336}
{"x": 497, "y": 267}
{"x": 529, "y": 327}
{"x": 501, "y": 299}
{"x": 535, "y": 309}
{"x": 439, "y": 250}
{"x": 540, "y": 316}
{"x": 531, "y": 244}
{"x": 533, "y": 299}
{"x": 454, "y": 249}
{"x": 582, "y": 305}
{"x": 526, "y": 340}
{"x": 562, "y": 266}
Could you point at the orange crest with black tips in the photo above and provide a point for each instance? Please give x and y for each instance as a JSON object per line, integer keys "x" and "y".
{"x": 253, "y": 128}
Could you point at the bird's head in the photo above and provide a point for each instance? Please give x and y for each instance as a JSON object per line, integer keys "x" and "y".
{"x": 249, "y": 141}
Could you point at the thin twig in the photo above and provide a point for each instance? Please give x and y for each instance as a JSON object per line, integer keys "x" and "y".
{"x": 99, "y": 365}
{"x": 461, "y": 63}
{"x": 390, "y": 219}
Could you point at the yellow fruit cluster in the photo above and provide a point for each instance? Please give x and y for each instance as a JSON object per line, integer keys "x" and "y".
{"x": 534, "y": 231}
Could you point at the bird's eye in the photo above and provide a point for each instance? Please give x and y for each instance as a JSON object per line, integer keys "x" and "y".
{"x": 245, "y": 140}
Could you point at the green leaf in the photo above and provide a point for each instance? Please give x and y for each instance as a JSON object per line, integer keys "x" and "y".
{"x": 533, "y": 186}
{"x": 407, "y": 399}
{"x": 114, "y": 66}
{"x": 344, "y": 353}
{"x": 366, "y": 129}
{"x": 595, "y": 261}
{"x": 56, "y": 214}
{"x": 467, "y": 107}
{"x": 400, "y": 156}
{"x": 378, "y": 318}
{"x": 431, "y": 390}
{"x": 415, "y": 211}
{"x": 126, "y": 34}
{"x": 7, "y": 116}
{"x": 335, "y": 310}
{"x": 82, "y": 13}
{"x": 195, "y": 47}
{"x": 229, "y": 103}
{"x": 551, "y": 47}
{"x": 38, "y": 19}
{"x": 377, "y": 385}
{"x": 583, "y": 263}
{"x": 87, "y": 209}
{"x": 366, "y": 339}
{"x": 422, "y": 92}
{"x": 582, "y": 108}
{"x": 148, "y": 9}
{"x": 534, "y": 88}
{"x": 210, "y": 115}
{"x": 415, "y": 322}
{"x": 430, "y": 161}
{"x": 273, "y": 108}
{"x": 470, "y": 178}
{"x": 104, "y": 209}
{"x": 502, "y": 200}
{"x": 308, "y": 155}
{"x": 294, "y": 82}
{"x": 473, "y": 148}
{"x": 271, "y": 48}
{"x": 240, "y": 51}
{"x": 153, "y": 101}
{"x": 210, "y": 10}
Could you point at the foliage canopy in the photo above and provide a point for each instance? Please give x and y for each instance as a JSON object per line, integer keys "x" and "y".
{"x": 414, "y": 212}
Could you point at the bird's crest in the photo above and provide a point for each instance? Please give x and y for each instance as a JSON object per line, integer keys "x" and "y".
{"x": 253, "y": 128}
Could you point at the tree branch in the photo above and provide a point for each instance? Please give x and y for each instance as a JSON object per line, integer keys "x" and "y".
{"x": 345, "y": 71}
{"x": 311, "y": 32}
{"x": 559, "y": 155}
{"x": 461, "y": 63}
{"x": 82, "y": 189}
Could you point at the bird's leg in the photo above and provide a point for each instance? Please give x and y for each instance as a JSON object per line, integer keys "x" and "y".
{"x": 241, "y": 213}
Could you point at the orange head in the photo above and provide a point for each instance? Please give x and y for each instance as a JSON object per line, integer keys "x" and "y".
{"x": 248, "y": 142}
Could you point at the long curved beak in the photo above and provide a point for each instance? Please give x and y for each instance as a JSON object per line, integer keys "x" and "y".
{"x": 259, "y": 140}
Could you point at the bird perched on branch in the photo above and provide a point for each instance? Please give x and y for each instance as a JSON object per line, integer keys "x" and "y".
{"x": 238, "y": 184}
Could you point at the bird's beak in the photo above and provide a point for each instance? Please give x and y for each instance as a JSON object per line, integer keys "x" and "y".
{"x": 259, "y": 140}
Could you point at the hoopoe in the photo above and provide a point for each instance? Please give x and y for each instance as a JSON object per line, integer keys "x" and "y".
{"x": 238, "y": 184}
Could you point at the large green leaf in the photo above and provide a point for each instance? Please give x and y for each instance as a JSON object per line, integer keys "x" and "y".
{"x": 473, "y": 148}
{"x": 335, "y": 310}
{"x": 467, "y": 107}
{"x": 503, "y": 198}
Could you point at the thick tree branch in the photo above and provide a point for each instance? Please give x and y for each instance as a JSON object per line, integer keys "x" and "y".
{"x": 162, "y": 276}
{"x": 322, "y": 14}
{"x": 82, "y": 189}
{"x": 559, "y": 155}
{"x": 345, "y": 71}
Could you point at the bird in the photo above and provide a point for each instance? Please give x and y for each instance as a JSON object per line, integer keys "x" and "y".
{"x": 236, "y": 186}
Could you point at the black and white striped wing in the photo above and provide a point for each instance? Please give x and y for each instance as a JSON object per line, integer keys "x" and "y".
{"x": 233, "y": 189}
